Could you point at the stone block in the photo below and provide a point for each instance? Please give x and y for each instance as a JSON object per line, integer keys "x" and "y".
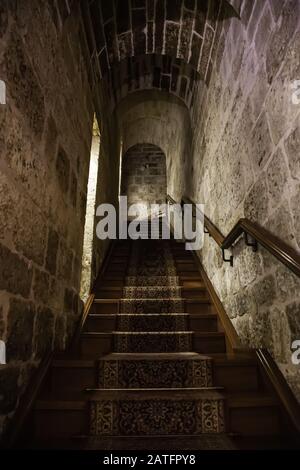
{"x": 69, "y": 300}
{"x": 254, "y": 211}
{"x": 20, "y": 330}
{"x": 245, "y": 303}
{"x": 264, "y": 291}
{"x": 261, "y": 330}
{"x": 263, "y": 31}
{"x": 281, "y": 225}
{"x": 249, "y": 265}
{"x": 15, "y": 274}
{"x": 43, "y": 331}
{"x": 60, "y": 333}
{"x": 230, "y": 306}
{"x": 281, "y": 37}
{"x": 24, "y": 88}
{"x": 280, "y": 334}
{"x": 276, "y": 8}
{"x": 293, "y": 316}
{"x": 3, "y": 19}
{"x": 296, "y": 215}
{"x": 288, "y": 284}
{"x": 65, "y": 262}
{"x": 73, "y": 189}
{"x": 21, "y": 222}
{"x": 281, "y": 110}
{"x": 292, "y": 147}
{"x": 63, "y": 170}
{"x": 41, "y": 286}
{"x": 261, "y": 142}
{"x": 52, "y": 249}
{"x": 51, "y": 139}
{"x": 9, "y": 376}
{"x": 277, "y": 178}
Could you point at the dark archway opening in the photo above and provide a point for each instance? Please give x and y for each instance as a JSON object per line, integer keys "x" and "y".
{"x": 144, "y": 175}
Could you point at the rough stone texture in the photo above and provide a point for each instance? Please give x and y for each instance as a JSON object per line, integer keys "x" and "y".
{"x": 149, "y": 118}
{"x": 45, "y": 140}
{"x": 144, "y": 178}
{"x": 245, "y": 163}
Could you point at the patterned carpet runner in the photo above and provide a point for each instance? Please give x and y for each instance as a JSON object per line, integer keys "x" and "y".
{"x": 152, "y": 384}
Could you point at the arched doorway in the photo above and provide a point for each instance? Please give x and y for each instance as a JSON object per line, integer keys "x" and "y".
{"x": 144, "y": 175}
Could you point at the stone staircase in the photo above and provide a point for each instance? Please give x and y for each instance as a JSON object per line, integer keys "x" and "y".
{"x": 152, "y": 369}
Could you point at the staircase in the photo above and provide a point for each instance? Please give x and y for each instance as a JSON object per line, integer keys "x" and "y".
{"x": 152, "y": 369}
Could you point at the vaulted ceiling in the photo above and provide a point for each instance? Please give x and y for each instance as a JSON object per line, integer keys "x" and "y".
{"x": 160, "y": 44}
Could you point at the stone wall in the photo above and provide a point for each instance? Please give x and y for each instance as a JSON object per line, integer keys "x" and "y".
{"x": 45, "y": 141}
{"x": 162, "y": 120}
{"x": 144, "y": 179}
{"x": 246, "y": 163}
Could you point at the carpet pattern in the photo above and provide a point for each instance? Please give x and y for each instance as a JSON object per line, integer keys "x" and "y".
{"x": 152, "y": 417}
{"x": 159, "y": 373}
{"x": 152, "y": 384}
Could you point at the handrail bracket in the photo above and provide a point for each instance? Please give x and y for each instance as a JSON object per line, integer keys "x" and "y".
{"x": 228, "y": 260}
{"x": 253, "y": 244}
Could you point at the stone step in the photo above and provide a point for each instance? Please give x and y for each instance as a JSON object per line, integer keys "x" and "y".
{"x": 158, "y": 371}
{"x": 156, "y": 412}
{"x": 152, "y": 341}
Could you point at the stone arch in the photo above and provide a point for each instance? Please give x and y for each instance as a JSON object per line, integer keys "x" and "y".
{"x": 168, "y": 45}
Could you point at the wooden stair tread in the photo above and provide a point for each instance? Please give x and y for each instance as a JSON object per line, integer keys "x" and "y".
{"x": 155, "y": 356}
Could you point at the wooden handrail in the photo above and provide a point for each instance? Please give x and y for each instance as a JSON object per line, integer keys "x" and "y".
{"x": 281, "y": 387}
{"x": 32, "y": 391}
{"x": 27, "y": 401}
{"x": 283, "y": 252}
{"x": 291, "y": 259}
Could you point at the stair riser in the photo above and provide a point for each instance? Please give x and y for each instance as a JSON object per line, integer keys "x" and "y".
{"x": 101, "y": 325}
{"x": 169, "y": 307}
{"x": 121, "y": 282}
{"x": 105, "y": 308}
{"x": 150, "y": 323}
{"x": 109, "y": 325}
{"x": 152, "y": 306}
{"x": 154, "y": 343}
{"x": 64, "y": 378}
{"x": 254, "y": 421}
{"x": 243, "y": 378}
{"x": 60, "y": 423}
{"x": 95, "y": 347}
{"x": 209, "y": 345}
{"x": 156, "y": 417}
{"x": 198, "y": 307}
{"x": 203, "y": 325}
{"x": 132, "y": 374}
